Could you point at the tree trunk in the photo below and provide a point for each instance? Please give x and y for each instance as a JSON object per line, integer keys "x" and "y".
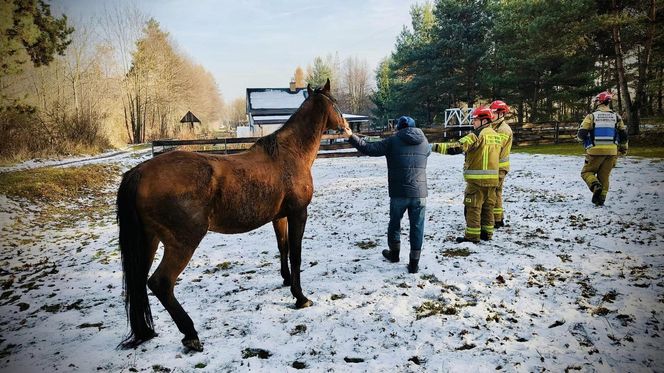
{"x": 132, "y": 116}
{"x": 644, "y": 61}
{"x": 139, "y": 124}
{"x": 136, "y": 119}
{"x": 620, "y": 100}
{"x": 145, "y": 111}
{"x": 659, "y": 98}
{"x": 429, "y": 116}
{"x": 129, "y": 137}
{"x": 77, "y": 106}
{"x": 632, "y": 115}
{"x": 533, "y": 106}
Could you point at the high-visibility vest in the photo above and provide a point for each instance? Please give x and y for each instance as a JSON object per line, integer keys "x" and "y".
{"x": 604, "y": 128}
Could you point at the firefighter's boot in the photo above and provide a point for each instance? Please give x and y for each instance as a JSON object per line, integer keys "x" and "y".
{"x": 601, "y": 200}
{"x": 464, "y": 239}
{"x": 596, "y": 188}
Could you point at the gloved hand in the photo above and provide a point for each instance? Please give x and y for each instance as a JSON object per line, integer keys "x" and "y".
{"x": 622, "y": 149}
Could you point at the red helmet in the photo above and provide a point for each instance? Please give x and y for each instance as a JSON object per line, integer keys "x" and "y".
{"x": 604, "y": 97}
{"x": 500, "y": 107}
{"x": 482, "y": 112}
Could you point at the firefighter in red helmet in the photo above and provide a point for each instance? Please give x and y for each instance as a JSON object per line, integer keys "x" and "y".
{"x": 503, "y": 130}
{"x": 604, "y": 136}
{"x": 482, "y": 149}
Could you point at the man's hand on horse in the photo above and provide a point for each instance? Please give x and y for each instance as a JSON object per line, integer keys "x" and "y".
{"x": 347, "y": 131}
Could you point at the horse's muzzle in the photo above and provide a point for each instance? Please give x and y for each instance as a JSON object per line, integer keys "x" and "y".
{"x": 344, "y": 125}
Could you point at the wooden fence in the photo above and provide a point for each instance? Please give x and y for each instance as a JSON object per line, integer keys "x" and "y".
{"x": 331, "y": 145}
{"x": 545, "y": 133}
{"x": 336, "y": 146}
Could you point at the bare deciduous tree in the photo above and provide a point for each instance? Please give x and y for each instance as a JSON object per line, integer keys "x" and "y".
{"x": 235, "y": 113}
{"x": 356, "y": 80}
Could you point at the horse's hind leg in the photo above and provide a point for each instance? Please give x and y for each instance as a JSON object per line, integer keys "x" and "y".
{"x": 281, "y": 230}
{"x": 162, "y": 282}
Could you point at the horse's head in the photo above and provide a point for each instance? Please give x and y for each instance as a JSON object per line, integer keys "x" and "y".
{"x": 335, "y": 120}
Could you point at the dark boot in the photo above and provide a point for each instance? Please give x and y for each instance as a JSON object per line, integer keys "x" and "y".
{"x": 499, "y": 224}
{"x": 484, "y": 236}
{"x": 413, "y": 265}
{"x": 464, "y": 239}
{"x": 596, "y": 188}
{"x": 393, "y": 253}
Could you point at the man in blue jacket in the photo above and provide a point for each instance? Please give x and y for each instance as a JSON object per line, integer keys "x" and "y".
{"x": 406, "y": 152}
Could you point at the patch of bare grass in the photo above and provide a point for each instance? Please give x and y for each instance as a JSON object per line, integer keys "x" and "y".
{"x": 366, "y": 244}
{"x": 62, "y": 197}
{"x": 456, "y": 252}
{"x": 53, "y": 184}
{"x": 438, "y": 307}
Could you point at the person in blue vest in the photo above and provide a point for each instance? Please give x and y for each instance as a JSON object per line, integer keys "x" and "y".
{"x": 604, "y": 136}
{"x": 406, "y": 152}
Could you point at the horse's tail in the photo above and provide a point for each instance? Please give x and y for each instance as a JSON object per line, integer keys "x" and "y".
{"x": 135, "y": 262}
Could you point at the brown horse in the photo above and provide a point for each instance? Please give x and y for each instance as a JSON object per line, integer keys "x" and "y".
{"x": 175, "y": 198}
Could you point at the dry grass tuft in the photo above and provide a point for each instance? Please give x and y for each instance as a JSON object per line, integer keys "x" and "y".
{"x": 57, "y": 184}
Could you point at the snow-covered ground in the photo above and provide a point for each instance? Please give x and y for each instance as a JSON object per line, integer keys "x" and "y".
{"x": 567, "y": 286}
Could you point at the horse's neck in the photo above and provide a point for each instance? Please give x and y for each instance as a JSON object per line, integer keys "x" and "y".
{"x": 302, "y": 135}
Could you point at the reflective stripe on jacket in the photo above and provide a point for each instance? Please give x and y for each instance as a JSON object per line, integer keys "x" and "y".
{"x": 506, "y": 136}
{"x": 482, "y": 149}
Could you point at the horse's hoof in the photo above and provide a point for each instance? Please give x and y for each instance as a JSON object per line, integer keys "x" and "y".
{"x": 193, "y": 344}
{"x": 136, "y": 341}
{"x": 305, "y": 304}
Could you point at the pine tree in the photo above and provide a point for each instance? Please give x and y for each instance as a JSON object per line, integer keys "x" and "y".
{"x": 28, "y": 31}
{"x": 414, "y": 92}
{"x": 319, "y": 73}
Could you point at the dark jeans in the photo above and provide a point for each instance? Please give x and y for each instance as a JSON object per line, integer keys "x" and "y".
{"x": 416, "y": 208}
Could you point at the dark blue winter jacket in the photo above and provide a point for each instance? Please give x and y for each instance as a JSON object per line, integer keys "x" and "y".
{"x": 406, "y": 153}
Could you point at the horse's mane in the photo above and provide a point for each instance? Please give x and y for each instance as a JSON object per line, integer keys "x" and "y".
{"x": 269, "y": 143}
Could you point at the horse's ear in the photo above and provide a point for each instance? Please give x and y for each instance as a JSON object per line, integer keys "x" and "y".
{"x": 309, "y": 92}
{"x": 327, "y": 86}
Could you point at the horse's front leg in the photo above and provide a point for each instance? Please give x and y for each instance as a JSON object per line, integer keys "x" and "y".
{"x": 281, "y": 230}
{"x": 296, "y": 223}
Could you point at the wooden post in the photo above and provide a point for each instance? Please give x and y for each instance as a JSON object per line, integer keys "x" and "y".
{"x": 557, "y": 129}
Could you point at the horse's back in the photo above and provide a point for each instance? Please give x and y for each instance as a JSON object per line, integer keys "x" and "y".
{"x": 175, "y": 173}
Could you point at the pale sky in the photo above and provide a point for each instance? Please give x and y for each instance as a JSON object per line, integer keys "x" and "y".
{"x": 260, "y": 43}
